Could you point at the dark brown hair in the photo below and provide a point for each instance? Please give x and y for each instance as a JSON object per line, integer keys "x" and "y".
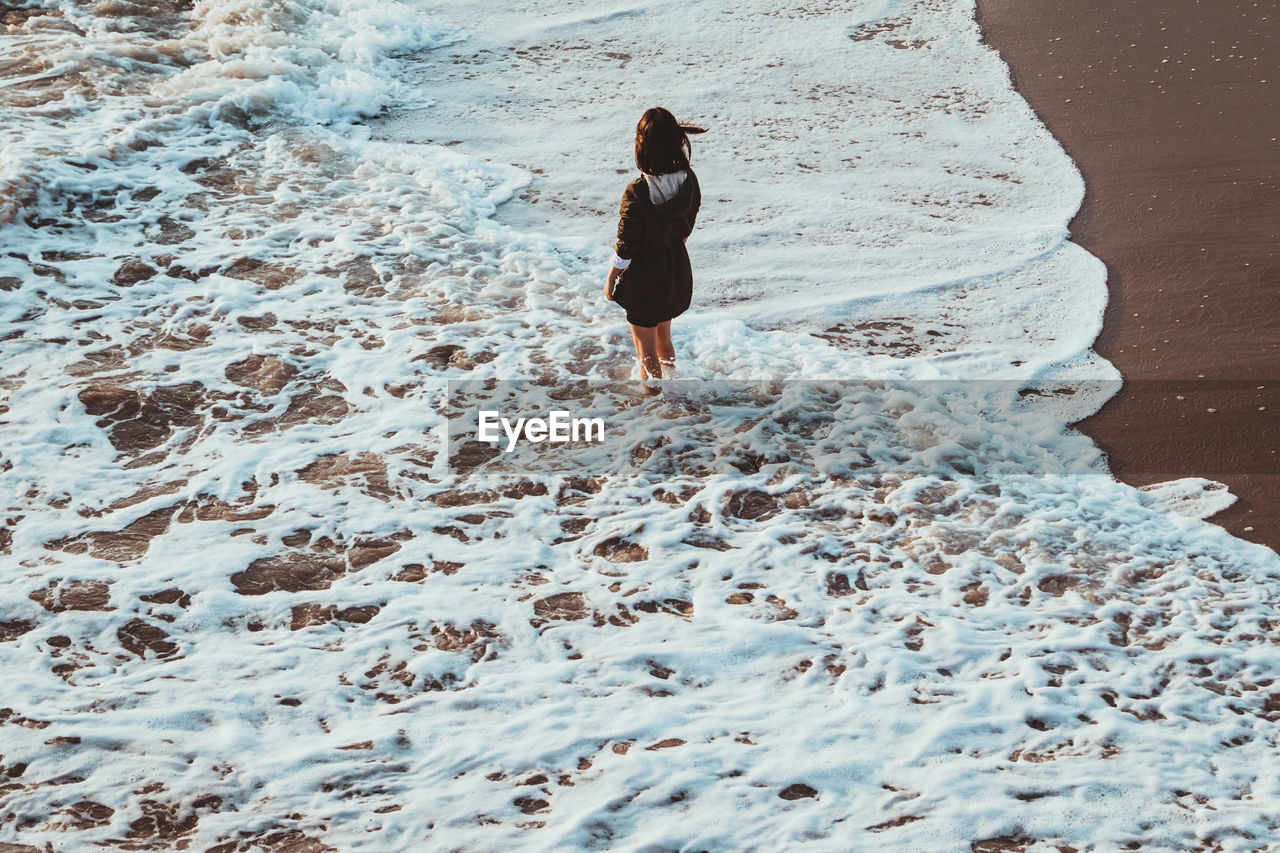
{"x": 662, "y": 145}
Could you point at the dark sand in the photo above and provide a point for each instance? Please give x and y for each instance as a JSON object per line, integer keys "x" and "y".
{"x": 1171, "y": 109}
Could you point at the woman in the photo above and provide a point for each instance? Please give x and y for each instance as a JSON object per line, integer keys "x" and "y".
{"x": 650, "y": 275}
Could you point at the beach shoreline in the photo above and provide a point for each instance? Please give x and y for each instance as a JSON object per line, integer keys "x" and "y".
{"x": 1163, "y": 112}
{"x": 253, "y": 604}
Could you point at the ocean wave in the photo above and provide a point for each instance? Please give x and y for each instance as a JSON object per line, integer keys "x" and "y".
{"x": 250, "y": 605}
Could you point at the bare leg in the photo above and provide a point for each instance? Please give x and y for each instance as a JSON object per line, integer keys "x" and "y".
{"x": 646, "y": 341}
{"x": 666, "y": 350}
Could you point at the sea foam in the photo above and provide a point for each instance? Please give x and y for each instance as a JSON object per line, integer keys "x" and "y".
{"x": 249, "y": 606}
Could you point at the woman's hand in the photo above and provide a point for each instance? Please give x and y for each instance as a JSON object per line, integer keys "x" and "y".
{"x": 611, "y": 281}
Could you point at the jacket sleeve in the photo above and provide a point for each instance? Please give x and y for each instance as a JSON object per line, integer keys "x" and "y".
{"x": 694, "y": 205}
{"x": 630, "y": 226}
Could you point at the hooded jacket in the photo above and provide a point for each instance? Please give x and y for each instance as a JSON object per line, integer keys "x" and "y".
{"x": 657, "y": 284}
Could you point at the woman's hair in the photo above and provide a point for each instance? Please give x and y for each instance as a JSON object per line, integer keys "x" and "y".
{"x": 662, "y": 145}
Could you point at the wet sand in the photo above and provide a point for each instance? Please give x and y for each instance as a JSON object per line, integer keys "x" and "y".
{"x": 1172, "y": 112}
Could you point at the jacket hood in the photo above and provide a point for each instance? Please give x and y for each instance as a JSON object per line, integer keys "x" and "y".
{"x": 677, "y": 206}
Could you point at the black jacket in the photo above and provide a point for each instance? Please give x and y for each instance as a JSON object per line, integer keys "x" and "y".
{"x": 658, "y": 285}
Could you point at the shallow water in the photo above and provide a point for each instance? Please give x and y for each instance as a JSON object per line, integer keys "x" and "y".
{"x": 248, "y": 605}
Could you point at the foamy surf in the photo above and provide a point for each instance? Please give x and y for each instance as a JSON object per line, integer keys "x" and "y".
{"x": 250, "y": 608}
